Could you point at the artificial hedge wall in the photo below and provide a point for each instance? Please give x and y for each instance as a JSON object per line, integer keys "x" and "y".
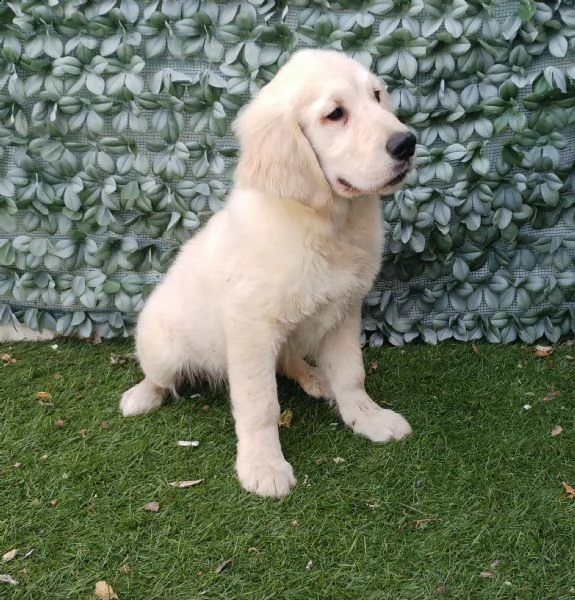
{"x": 115, "y": 146}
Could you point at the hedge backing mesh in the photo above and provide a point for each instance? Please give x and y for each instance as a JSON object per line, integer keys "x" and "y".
{"x": 115, "y": 147}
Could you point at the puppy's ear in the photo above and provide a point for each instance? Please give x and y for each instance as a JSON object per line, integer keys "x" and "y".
{"x": 276, "y": 157}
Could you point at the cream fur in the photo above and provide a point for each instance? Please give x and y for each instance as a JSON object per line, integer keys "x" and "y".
{"x": 279, "y": 274}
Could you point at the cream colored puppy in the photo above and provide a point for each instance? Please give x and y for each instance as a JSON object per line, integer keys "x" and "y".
{"x": 278, "y": 276}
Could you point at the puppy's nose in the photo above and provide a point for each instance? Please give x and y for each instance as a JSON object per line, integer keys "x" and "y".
{"x": 401, "y": 145}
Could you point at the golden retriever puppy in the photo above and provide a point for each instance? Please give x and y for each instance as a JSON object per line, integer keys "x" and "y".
{"x": 278, "y": 276}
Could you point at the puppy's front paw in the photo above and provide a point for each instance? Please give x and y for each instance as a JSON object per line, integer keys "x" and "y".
{"x": 142, "y": 398}
{"x": 377, "y": 424}
{"x": 265, "y": 476}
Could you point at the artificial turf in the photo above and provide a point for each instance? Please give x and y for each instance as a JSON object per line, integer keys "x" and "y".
{"x": 472, "y": 506}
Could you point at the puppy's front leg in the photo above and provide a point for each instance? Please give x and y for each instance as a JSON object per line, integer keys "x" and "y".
{"x": 260, "y": 464}
{"x": 341, "y": 360}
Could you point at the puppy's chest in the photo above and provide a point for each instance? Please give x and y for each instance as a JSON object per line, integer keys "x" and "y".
{"x": 344, "y": 268}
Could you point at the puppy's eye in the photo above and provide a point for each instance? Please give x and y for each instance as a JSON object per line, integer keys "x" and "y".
{"x": 376, "y": 93}
{"x": 336, "y": 115}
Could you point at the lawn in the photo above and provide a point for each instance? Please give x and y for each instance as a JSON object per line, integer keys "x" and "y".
{"x": 472, "y": 506}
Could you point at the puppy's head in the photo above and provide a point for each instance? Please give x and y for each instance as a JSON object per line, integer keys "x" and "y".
{"x": 324, "y": 125}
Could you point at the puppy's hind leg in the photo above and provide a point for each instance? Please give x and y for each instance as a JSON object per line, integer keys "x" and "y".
{"x": 163, "y": 362}
{"x": 142, "y": 398}
{"x": 311, "y": 379}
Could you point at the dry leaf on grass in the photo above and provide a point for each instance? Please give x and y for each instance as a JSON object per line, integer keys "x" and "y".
{"x": 152, "y": 507}
{"x": 188, "y": 443}
{"x": 122, "y": 359}
{"x": 338, "y": 460}
{"x": 372, "y": 367}
{"x": 424, "y": 521}
{"x": 487, "y": 574}
{"x": 557, "y": 430}
{"x": 475, "y": 348}
{"x": 7, "y": 359}
{"x": 543, "y": 351}
{"x": 54, "y": 503}
{"x": 104, "y": 591}
{"x": 224, "y": 565}
{"x": 7, "y": 579}
{"x": 44, "y": 399}
{"x": 570, "y": 491}
{"x": 59, "y": 423}
{"x": 124, "y": 566}
{"x": 104, "y": 425}
{"x": 185, "y": 484}
{"x": 9, "y": 555}
{"x": 286, "y": 418}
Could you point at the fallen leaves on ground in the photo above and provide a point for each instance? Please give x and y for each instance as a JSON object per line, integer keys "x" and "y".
{"x": 227, "y": 564}
{"x": 372, "y": 367}
{"x": 338, "y": 460}
{"x": 557, "y": 430}
{"x": 185, "y": 484}
{"x": 475, "y": 348}
{"x": 570, "y": 490}
{"x": 59, "y": 423}
{"x": 122, "y": 359}
{"x": 188, "y": 443}
{"x": 424, "y": 521}
{"x": 487, "y": 574}
{"x": 286, "y": 418}
{"x": 54, "y": 503}
{"x": 104, "y": 591}
{"x": 543, "y": 351}
{"x": 7, "y": 579}
{"x": 104, "y": 425}
{"x": 7, "y": 359}
{"x": 124, "y": 566}
{"x": 152, "y": 507}
{"x": 44, "y": 399}
{"x": 10, "y": 555}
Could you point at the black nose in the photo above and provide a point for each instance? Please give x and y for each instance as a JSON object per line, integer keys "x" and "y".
{"x": 401, "y": 145}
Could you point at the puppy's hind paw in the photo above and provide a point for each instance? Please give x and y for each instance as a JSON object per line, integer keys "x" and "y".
{"x": 142, "y": 398}
{"x": 377, "y": 424}
{"x": 315, "y": 384}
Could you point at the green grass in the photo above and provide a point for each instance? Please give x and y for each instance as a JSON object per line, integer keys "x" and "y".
{"x": 486, "y": 472}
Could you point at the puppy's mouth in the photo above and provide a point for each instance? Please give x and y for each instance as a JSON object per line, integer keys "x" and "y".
{"x": 395, "y": 180}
